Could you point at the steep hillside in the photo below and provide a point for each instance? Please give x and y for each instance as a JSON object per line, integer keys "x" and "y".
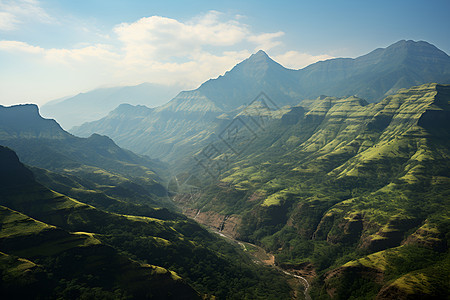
{"x": 166, "y": 132}
{"x": 344, "y": 180}
{"x": 47, "y": 232}
{"x": 42, "y": 260}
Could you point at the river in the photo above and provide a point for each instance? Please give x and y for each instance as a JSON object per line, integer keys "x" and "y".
{"x": 258, "y": 258}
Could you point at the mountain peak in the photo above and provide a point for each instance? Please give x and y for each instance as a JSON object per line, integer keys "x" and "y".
{"x": 260, "y": 54}
{"x": 409, "y": 44}
{"x": 416, "y": 48}
{"x": 256, "y": 65}
{"x": 25, "y": 121}
{"x": 259, "y": 57}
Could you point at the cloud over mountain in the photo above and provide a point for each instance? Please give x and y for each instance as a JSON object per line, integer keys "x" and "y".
{"x": 154, "y": 49}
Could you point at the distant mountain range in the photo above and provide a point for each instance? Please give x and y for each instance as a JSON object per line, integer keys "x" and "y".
{"x": 93, "y": 105}
{"x": 192, "y": 117}
{"x": 372, "y": 76}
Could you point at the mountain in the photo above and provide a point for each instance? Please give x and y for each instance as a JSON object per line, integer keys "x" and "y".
{"x": 371, "y": 76}
{"x": 195, "y": 117}
{"x": 24, "y": 121}
{"x": 75, "y": 165}
{"x": 247, "y": 79}
{"x": 54, "y": 246}
{"x": 377, "y": 74}
{"x": 42, "y": 260}
{"x": 356, "y": 192}
{"x": 93, "y": 105}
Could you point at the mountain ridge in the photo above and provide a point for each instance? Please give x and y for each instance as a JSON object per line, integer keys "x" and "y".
{"x": 198, "y": 114}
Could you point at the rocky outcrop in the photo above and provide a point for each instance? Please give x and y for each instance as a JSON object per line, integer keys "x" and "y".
{"x": 293, "y": 116}
{"x": 305, "y": 269}
{"x": 226, "y": 224}
{"x": 350, "y": 230}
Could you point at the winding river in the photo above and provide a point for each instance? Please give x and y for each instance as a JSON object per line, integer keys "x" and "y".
{"x": 270, "y": 261}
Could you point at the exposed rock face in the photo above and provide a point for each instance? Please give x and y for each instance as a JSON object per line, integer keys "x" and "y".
{"x": 293, "y": 116}
{"x": 305, "y": 269}
{"x": 351, "y": 229}
{"x": 226, "y": 224}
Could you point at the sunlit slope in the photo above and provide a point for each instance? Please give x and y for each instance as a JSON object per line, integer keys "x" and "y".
{"x": 347, "y": 179}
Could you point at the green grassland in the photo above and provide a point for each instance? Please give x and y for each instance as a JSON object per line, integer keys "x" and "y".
{"x": 51, "y": 262}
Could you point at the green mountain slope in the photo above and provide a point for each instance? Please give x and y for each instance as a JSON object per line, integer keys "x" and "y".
{"x": 42, "y": 260}
{"x": 54, "y": 231}
{"x": 80, "y": 265}
{"x": 344, "y": 180}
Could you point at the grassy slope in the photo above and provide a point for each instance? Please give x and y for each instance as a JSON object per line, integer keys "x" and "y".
{"x": 204, "y": 260}
{"x": 79, "y": 264}
{"x": 346, "y": 180}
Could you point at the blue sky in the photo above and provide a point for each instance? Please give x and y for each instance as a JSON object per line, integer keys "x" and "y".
{"x": 51, "y": 49}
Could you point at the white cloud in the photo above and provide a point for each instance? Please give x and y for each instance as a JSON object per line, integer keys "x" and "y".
{"x": 15, "y": 46}
{"x": 298, "y": 60}
{"x": 161, "y": 38}
{"x": 152, "y": 49}
{"x": 266, "y": 41}
{"x": 97, "y": 52}
{"x": 14, "y": 12}
{"x": 7, "y": 21}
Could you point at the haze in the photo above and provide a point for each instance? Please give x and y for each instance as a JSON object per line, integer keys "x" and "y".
{"x": 52, "y": 49}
